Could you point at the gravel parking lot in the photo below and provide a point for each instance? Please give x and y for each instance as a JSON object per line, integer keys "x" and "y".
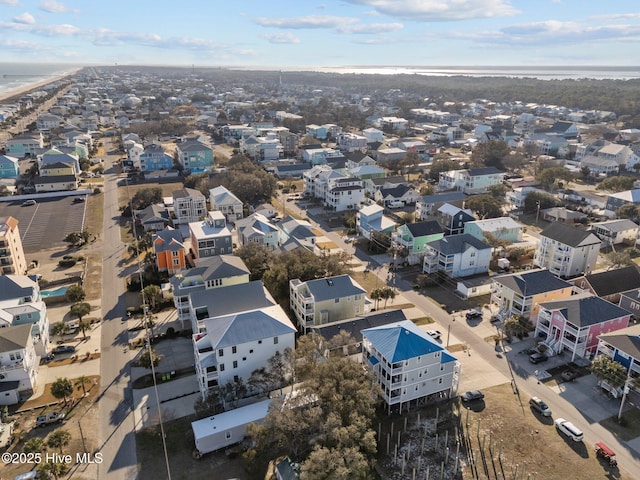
{"x": 45, "y": 224}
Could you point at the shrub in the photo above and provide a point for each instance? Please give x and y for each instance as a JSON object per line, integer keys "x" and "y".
{"x": 66, "y": 263}
{"x": 171, "y": 332}
{"x": 96, "y": 191}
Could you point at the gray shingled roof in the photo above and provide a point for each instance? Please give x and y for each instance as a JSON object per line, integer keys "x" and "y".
{"x": 14, "y": 338}
{"x": 187, "y": 192}
{"x": 614, "y": 281}
{"x": 232, "y": 299}
{"x": 333, "y": 287}
{"x": 532, "y": 282}
{"x": 354, "y": 326}
{"x": 574, "y": 237}
{"x": 626, "y": 340}
{"x": 583, "y": 311}
{"x": 421, "y": 229}
{"x": 453, "y": 244}
{"x": 246, "y": 327}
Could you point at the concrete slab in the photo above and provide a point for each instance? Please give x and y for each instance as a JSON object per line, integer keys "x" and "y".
{"x": 177, "y": 399}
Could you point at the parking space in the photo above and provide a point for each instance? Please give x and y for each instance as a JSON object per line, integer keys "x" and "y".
{"x": 45, "y": 224}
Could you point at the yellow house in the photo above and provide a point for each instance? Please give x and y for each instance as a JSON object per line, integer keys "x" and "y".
{"x": 521, "y": 293}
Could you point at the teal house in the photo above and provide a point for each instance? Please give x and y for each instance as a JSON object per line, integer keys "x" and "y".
{"x": 195, "y": 156}
{"x": 415, "y": 236}
{"x": 9, "y": 167}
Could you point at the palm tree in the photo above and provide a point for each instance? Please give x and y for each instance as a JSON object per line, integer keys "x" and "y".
{"x": 81, "y": 381}
{"x": 81, "y": 310}
{"x": 58, "y": 329}
{"x": 75, "y": 293}
{"x": 150, "y": 294}
{"x": 49, "y": 469}
{"x": 34, "y": 445}
{"x": 376, "y": 295}
{"x": 62, "y": 388}
{"x": 59, "y": 438}
{"x": 388, "y": 293}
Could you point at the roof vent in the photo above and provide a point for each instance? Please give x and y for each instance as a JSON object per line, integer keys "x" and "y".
{"x": 329, "y": 282}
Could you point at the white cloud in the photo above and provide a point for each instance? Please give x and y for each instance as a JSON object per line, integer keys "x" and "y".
{"x": 310, "y": 21}
{"x": 44, "y": 30}
{"x": 52, "y": 6}
{"x": 616, "y": 16}
{"x": 22, "y": 46}
{"x": 11, "y": 3}
{"x": 286, "y": 37}
{"x": 440, "y": 10}
{"x": 25, "y": 18}
{"x": 553, "y": 32}
{"x": 337, "y": 24}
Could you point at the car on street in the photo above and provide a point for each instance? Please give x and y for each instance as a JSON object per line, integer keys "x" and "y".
{"x": 63, "y": 349}
{"x": 472, "y": 395}
{"x": 569, "y": 429}
{"x": 28, "y": 203}
{"x": 539, "y": 406}
{"x": 473, "y": 315}
{"x": 435, "y": 334}
{"x": 538, "y": 358}
{"x": 569, "y": 375}
{"x": 78, "y": 200}
{"x": 49, "y": 418}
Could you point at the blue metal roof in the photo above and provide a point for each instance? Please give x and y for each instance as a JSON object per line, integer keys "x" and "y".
{"x": 403, "y": 341}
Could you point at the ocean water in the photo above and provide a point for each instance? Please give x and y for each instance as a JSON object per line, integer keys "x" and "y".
{"x": 539, "y": 72}
{"x": 17, "y": 75}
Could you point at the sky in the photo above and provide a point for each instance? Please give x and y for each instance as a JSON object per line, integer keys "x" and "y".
{"x": 329, "y": 33}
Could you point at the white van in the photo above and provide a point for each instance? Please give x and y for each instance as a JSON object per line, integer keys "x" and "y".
{"x": 395, "y": 204}
{"x": 569, "y": 429}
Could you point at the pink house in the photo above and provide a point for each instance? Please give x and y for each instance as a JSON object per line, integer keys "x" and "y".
{"x": 575, "y": 323}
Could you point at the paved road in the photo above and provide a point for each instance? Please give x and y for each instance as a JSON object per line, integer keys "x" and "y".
{"x": 117, "y": 436}
{"x": 510, "y": 366}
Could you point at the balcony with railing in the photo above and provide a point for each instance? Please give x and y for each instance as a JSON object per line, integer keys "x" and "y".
{"x": 19, "y": 365}
{"x": 430, "y": 262}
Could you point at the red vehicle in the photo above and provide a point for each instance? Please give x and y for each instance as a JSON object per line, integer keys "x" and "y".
{"x": 604, "y": 452}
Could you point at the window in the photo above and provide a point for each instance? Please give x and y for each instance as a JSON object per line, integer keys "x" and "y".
{"x": 222, "y": 367}
{"x": 221, "y": 352}
{"x": 337, "y": 300}
{"x": 176, "y": 261}
{"x": 236, "y": 379}
{"x": 227, "y": 435}
{"x": 234, "y": 349}
{"x": 251, "y": 351}
{"x": 244, "y": 359}
{"x": 235, "y": 364}
{"x": 275, "y": 340}
{"x": 440, "y": 380}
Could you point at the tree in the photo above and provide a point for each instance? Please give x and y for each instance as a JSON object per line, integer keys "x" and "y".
{"x": 62, "y": 388}
{"x": 81, "y": 310}
{"x": 387, "y": 293}
{"x": 614, "y": 373}
{"x": 538, "y": 199}
{"x": 332, "y": 410}
{"x": 549, "y": 177}
{"x": 150, "y": 294}
{"x": 617, "y": 183}
{"x": 75, "y": 294}
{"x": 145, "y": 197}
{"x": 498, "y": 191}
{"x": 630, "y": 211}
{"x": 34, "y": 445}
{"x": 58, "y": 329}
{"x": 336, "y": 464}
{"x": 73, "y": 239}
{"x": 147, "y": 356}
{"x": 490, "y": 154}
{"x": 256, "y": 256}
{"x": 344, "y": 343}
{"x": 619, "y": 259}
{"x": 52, "y": 469}
{"x": 485, "y": 206}
{"x": 376, "y": 296}
{"x": 517, "y": 325}
{"x": 58, "y": 439}
{"x": 81, "y": 381}
{"x": 442, "y": 165}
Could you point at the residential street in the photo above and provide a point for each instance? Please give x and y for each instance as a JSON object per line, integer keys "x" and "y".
{"x": 117, "y": 438}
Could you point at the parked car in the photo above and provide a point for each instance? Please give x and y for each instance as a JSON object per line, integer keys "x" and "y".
{"x": 539, "y": 406}
{"x": 63, "y": 349}
{"x": 435, "y": 334}
{"x": 28, "y": 203}
{"x": 49, "y": 418}
{"x": 569, "y": 375}
{"x": 78, "y": 200}
{"x": 538, "y": 358}
{"x": 472, "y": 395}
{"x": 473, "y": 315}
{"x": 569, "y": 429}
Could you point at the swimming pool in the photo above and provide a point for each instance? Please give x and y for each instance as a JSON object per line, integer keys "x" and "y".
{"x": 58, "y": 292}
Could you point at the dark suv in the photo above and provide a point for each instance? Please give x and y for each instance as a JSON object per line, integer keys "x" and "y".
{"x": 538, "y": 357}
{"x": 473, "y": 315}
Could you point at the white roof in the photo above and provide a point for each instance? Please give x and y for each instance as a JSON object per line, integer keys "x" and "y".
{"x": 371, "y": 209}
{"x": 493, "y": 224}
{"x": 231, "y": 419}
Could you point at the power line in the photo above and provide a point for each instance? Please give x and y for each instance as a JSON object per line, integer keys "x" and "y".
{"x": 145, "y": 309}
